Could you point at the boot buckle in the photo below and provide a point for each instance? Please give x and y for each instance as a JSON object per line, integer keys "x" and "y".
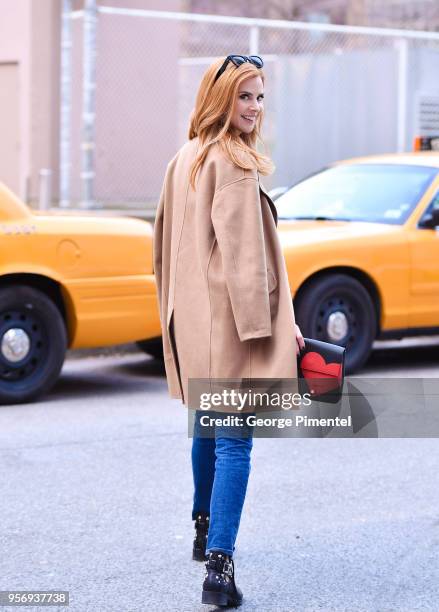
{"x": 227, "y": 568}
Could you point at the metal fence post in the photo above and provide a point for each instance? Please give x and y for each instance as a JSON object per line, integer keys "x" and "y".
{"x": 88, "y": 103}
{"x": 254, "y": 40}
{"x": 45, "y": 195}
{"x": 402, "y": 46}
{"x": 65, "y": 101}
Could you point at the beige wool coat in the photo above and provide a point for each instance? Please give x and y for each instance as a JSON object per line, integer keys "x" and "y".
{"x": 225, "y": 303}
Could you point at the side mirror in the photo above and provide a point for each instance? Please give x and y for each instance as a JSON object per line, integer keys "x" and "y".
{"x": 430, "y": 220}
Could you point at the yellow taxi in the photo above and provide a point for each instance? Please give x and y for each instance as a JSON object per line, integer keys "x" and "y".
{"x": 361, "y": 244}
{"x": 68, "y": 282}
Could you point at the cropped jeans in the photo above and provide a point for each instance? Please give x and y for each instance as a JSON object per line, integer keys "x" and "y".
{"x": 221, "y": 469}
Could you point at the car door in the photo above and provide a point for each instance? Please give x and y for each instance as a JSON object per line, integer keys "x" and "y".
{"x": 424, "y": 274}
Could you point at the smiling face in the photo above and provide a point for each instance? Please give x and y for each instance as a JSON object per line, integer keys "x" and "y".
{"x": 249, "y": 104}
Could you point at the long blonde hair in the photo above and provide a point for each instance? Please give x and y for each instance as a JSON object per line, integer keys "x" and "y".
{"x": 210, "y": 119}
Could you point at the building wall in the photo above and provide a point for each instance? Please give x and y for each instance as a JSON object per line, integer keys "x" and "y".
{"x": 15, "y": 88}
{"x": 44, "y": 92}
{"x": 136, "y": 103}
{"x": 29, "y": 68}
{"x": 30, "y": 85}
{"x": 9, "y": 124}
{"x": 136, "y": 86}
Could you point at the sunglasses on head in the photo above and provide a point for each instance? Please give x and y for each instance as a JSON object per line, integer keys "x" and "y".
{"x": 238, "y": 60}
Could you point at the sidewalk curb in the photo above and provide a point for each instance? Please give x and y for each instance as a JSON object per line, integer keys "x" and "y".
{"x": 104, "y": 351}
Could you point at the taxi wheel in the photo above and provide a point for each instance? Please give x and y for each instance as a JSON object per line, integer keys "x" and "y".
{"x": 153, "y": 347}
{"x": 337, "y": 308}
{"x": 33, "y": 343}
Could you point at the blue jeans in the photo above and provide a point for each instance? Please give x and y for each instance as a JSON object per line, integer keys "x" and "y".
{"x": 221, "y": 469}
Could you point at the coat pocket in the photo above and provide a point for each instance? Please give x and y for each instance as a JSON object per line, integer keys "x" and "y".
{"x": 273, "y": 295}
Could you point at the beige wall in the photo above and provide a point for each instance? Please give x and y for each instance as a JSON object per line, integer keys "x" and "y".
{"x": 29, "y": 42}
{"x": 136, "y": 105}
{"x": 29, "y": 104}
{"x": 44, "y": 90}
{"x": 9, "y": 125}
{"x": 15, "y": 55}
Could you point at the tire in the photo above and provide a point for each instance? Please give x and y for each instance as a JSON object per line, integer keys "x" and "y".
{"x": 353, "y": 324}
{"x": 33, "y": 343}
{"x": 153, "y": 347}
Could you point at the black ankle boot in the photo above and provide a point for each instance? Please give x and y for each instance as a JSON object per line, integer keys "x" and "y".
{"x": 200, "y": 540}
{"x": 219, "y": 588}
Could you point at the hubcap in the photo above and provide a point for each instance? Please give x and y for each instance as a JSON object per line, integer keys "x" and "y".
{"x": 24, "y": 344}
{"x": 15, "y": 344}
{"x": 337, "y": 326}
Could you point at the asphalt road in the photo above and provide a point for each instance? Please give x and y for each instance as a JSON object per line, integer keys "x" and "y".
{"x": 96, "y": 493}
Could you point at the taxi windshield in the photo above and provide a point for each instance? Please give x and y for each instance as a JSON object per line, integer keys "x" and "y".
{"x": 375, "y": 193}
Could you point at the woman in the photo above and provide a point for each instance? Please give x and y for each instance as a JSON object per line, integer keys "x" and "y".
{"x": 225, "y": 301}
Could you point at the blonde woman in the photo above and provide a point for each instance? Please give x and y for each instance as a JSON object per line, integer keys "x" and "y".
{"x": 225, "y": 302}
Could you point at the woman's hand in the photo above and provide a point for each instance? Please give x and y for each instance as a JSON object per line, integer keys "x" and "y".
{"x": 300, "y": 342}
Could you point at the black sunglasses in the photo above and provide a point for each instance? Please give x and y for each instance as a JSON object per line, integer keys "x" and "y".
{"x": 238, "y": 60}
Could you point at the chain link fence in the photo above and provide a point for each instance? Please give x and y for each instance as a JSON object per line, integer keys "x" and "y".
{"x": 331, "y": 92}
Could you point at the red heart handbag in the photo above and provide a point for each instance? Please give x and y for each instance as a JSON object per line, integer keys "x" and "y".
{"x": 321, "y": 370}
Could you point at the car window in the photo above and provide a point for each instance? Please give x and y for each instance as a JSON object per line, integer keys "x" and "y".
{"x": 379, "y": 193}
{"x": 432, "y": 206}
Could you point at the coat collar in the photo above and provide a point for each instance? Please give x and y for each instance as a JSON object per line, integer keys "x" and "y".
{"x": 263, "y": 190}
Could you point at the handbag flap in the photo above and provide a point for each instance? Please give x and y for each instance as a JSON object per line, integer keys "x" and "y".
{"x": 322, "y": 359}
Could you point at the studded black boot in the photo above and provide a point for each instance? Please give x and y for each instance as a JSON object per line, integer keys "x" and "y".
{"x": 219, "y": 588}
{"x": 200, "y": 540}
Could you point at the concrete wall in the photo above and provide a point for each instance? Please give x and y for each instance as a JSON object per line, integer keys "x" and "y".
{"x": 29, "y": 102}
{"x": 136, "y": 103}
{"x": 30, "y": 84}
{"x": 9, "y": 124}
{"x": 14, "y": 104}
{"x": 44, "y": 91}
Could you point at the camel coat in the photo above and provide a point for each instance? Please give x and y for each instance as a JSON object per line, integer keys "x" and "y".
{"x": 225, "y": 303}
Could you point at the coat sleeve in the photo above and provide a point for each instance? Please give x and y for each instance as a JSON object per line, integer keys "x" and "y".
{"x": 238, "y": 226}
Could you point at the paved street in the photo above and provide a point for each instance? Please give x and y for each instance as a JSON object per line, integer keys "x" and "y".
{"x": 96, "y": 498}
